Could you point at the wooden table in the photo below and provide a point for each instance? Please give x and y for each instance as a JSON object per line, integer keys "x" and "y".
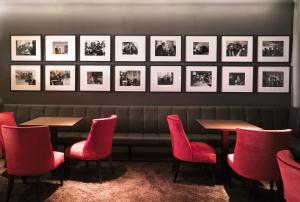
{"x": 54, "y": 124}
{"x": 225, "y": 126}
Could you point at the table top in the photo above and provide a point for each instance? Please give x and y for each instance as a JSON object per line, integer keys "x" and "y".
{"x": 53, "y": 121}
{"x": 230, "y": 125}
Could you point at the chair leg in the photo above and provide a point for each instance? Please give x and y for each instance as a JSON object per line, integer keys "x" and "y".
{"x": 11, "y": 179}
{"x": 272, "y": 185}
{"x": 61, "y": 174}
{"x": 99, "y": 170}
{"x": 173, "y": 165}
{"x": 37, "y": 184}
{"x": 279, "y": 186}
{"x": 129, "y": 153}
{"x": 228, "y": 176}
{"x": 213, "y": 173}
{"x": 111, "y": 165}
{"x": 67, "y": 167}
{"x": 24, "y": 179}
{"x": 251, "y": 194}
{"x": 177, "y": 167}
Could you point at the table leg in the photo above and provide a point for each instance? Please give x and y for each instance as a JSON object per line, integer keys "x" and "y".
{"x": 54, "y": 137}
{"x": 225, "y": 145}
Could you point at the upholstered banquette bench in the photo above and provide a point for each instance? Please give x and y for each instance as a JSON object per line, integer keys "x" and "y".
{"x": 147, "y": 125}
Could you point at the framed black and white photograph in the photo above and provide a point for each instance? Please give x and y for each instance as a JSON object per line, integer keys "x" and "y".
{"x": 165, "y": 48}
{"x": 60, "y": 47}
{"x": 60, "y": 77}
{"x": 130, "y": 48}
{"x": 95, "y": 48}
{"x": 165, "y": 79}
{"x": 237, "y": 79}
{"x": 273, "y": 49}
{"x": 273, "y": 79}
{"x": 25, "y": 77}
{"x": 94, "y": 78}
{"x": 130, "y": 78}
{"x": 201, "y": 79}
{"x": 201, "y": 48}
{"x": 237, "y": 48}
{"x": 26, "y": 48}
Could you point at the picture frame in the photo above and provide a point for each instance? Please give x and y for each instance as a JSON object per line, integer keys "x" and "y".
{"x": 273, "y": 79}
{"x": 60, "y": 47}
{"x": 237, "y": 79}
{"x": 25, "y": 78}
{"x": 273, "y": 49}
{"x": 26, "y": 47}
{"x": 60, "y": 77}
{"x": 165, "y": 48}
{"x": 165, "y": 79}
{"x": 95, "y": 48}
{"x": 94, "y": 78}
{"x": 201, "y": 48}
{"x": 201, "y": 78}
{"x": 130, "y": 48}
{"x": 130, "y": 78}
{"x": 237, "y": 48}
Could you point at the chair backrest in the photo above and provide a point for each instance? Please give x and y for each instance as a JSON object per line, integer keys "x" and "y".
{"x": 99, "y": 142}
{"x": 180, "y": 144}
{"x": 28, "y": 150}
{"x": 6, "y": 118}
{"x": 255, "y": 153}
{"x": 290, "y": 172}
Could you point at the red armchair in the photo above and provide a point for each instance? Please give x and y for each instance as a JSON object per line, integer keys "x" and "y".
{"x": 186, "y": 151}
{"x": 290, "y": 172}
{"x": 29, "y": 153}
{"x": 98, "y": 145}
{"x": 6, "y": 118}
{"x": 255, "y": 154}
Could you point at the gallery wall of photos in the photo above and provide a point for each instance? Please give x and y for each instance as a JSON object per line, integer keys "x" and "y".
{"x": 48, "y": 49}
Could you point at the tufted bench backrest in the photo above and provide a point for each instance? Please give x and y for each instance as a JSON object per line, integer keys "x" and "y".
{"x": 152, "y": 119}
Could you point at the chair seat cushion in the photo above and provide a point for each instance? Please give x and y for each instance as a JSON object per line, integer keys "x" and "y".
{"x": 58, "y": 159}
{"x": 203, "y": 152}
{"x": 75, "y": 151}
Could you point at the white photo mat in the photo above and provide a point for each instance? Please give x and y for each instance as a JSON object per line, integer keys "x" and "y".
{"x": 85, "y": 85}
{"x": 20, "y": 82}
{"x": 173, "y": 80}
{"x": 70, "y": 84}
{"x": 207, "y": 82}
{"x": 209, "y": 42}
{"x": 64, "y": 40}
{"x": 84, "y": 39}
{"x": 141, "y": 78}
{"x": 237, "y": 79}
{"x": 155, "y": 40}
{"x": 22, "y": 57}
{"x": 268, "y": 76}
{"x": 138, "y": 42}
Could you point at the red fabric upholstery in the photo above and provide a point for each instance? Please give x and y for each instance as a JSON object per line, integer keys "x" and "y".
{"x": 255, "y": 153}
{"x": 183, "y": 149}
{"x": 29, "y": 151}
{"x": 6, "y": 118}
{"x": 290, "y": 172}
{"x": 99, "y": 142}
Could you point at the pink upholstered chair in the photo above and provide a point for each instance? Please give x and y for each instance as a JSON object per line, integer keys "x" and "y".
{"x": 255, "y": 154}
{"x": 98, "y": 145}
{"x": 6, "y": 118}
{"x": 186, "y": 151}
{"x": 29, "y": 153}
{"x": 290, "y": 172}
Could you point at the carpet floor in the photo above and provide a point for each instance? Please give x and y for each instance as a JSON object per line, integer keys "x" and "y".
{"x": 133, "y": 181}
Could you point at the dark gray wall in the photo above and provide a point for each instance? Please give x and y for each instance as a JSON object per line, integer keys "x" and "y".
{"x": 145, "y": 19}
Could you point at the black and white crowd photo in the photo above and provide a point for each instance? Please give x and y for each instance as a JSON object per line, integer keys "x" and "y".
{"x": 25, "y": 47}
{"x": 60, "y": 48}
{"x": 165, "y": 78}
{"x": 165, "y": 48}
{"x": 95, "y": 78}
{"x": 200, "y": 48}
{"x": 94, "y": 48}
{"x": 25, "y": 77}
{"x": 201, "y": 78}
{"x": 60, "y": 77}
{"x": 273, "y": 79}
{"x": 236, "y": 48}
{"x": 129, "y": 48}
{"x": 130, "y": 78}
{"x": 273, "y": 48}
{"x": 237, "y": 79}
